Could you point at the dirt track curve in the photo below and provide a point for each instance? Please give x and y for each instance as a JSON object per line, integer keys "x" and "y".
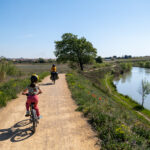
{"x": 60, "y": 128}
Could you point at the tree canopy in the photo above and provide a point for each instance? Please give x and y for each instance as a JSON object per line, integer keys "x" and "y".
{"x": 74, "y": 49}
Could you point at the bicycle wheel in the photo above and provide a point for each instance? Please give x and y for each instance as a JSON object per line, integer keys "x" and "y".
{"x": 54, "y": 81}
{"x": 33, "y": 116}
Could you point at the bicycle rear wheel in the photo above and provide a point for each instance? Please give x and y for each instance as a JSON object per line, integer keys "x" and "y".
{"x": 34, "y": 118}
{"x": 54, "y": 81}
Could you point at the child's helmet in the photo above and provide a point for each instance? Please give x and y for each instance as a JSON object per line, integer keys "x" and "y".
{"x": 34, "y": 78}
{"x": 53, "y": 65}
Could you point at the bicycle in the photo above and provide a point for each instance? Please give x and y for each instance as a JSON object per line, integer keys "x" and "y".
{"x": 33, "y": 116}
{"x": 53, "y": 77}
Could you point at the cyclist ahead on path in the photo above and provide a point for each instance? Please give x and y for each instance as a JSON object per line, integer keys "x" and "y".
{"x": 32, "y": 92}
{"x": 53, "y": 71}
{"x": 53, "y": 68}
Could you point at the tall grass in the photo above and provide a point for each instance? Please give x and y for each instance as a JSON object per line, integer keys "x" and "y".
{"x": 143, "y": 64}
{"x": 8, "y": 69}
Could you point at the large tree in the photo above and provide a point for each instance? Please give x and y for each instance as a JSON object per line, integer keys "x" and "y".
{"x": 74, "y": 49}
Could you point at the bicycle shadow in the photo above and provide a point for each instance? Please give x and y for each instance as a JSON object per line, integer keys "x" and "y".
{"x": 46, "y": 84}
{"x": 16, "y": 133}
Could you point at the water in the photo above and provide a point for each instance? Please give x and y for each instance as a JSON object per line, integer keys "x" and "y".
{"x": 130, "y": 84}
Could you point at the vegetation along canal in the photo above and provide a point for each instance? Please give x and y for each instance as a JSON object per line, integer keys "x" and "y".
{"x": 131, "y": 82}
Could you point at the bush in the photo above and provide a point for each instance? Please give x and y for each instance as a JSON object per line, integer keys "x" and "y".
{"x": 147, "y": 64}
{"x": 8, "y": 69}
{"x": 125, "y": 66}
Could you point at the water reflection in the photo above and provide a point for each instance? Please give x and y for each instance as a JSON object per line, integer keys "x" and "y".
{"x": 147, "y": 71}
{"x": 130, "y": 83}
{"x": 126, "y": 77}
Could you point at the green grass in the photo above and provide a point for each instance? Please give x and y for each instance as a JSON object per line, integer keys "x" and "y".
{"x": 132, "y": 103}
{"x": 117, "y": 126}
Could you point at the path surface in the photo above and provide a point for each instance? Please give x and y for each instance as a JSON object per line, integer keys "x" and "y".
{"x": 61, "y": 128}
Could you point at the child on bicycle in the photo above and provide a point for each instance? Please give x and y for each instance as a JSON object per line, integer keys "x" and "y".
{"x": 32, "y": 92}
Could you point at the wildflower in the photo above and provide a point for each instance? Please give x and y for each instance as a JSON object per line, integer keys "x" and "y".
{"x": 94, "y": 95}
{"x": 119, "y": 131}
{"x": 100, "y": 98}
{"x": 123, "y": 126}
{"x": 14, "y": 85}
{"x": 73, "y": 83}
{"x": 69, "y": 74}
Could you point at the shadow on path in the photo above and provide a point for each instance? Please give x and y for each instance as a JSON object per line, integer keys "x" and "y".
{"x": 16, "y": 133}
{"x": 46, "y": 84}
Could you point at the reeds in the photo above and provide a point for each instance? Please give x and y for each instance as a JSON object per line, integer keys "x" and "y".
{"x": 7, "y": 69}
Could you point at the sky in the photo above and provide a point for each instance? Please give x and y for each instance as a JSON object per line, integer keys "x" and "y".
{"x": 28, "y": 28}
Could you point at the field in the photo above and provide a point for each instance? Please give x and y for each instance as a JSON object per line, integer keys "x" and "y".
{"x": 42, "y": 67}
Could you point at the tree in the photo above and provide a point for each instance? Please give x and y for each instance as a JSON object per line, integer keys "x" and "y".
{"x": 144, "y": 90}
{"x": 99, "y": 59}
{"x": 147, "y": 64}
{"x": 41, "y": 60}
{"x": 74, "y": 49}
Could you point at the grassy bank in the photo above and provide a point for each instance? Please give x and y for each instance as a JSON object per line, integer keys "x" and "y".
{"x": 103, "y": 79}
{"x": 10, "y": 89}
{"x": 129, "y": 101}
{"x": 117, "y": 126}
{"x": 142, "y": 64}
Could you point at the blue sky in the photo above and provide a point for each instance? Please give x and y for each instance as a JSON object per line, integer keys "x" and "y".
{"x": 28, "y": 28}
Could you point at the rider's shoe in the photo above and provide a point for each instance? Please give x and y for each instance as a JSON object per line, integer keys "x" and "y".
{"x": 39, "y": 117}
{"x": 27, "y": 114}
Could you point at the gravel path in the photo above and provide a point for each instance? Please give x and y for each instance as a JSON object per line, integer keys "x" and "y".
{"x": 60, "y": 128}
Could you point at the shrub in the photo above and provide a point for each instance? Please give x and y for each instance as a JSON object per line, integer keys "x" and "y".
{"x": 147, "y": 64}
{"x": 8, "y": 69}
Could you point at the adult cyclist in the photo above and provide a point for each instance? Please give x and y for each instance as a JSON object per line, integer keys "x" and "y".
{"x": 54, "y": 73}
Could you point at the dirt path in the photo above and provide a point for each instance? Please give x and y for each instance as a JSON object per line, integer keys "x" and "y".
{"x": 61, "y": 128}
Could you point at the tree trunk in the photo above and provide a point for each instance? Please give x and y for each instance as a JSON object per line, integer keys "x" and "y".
{"x": 81, "y": 66}
{"x": 142, "y": 100}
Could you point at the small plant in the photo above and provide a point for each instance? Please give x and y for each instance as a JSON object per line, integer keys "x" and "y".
{"x": 144, "y": 90}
